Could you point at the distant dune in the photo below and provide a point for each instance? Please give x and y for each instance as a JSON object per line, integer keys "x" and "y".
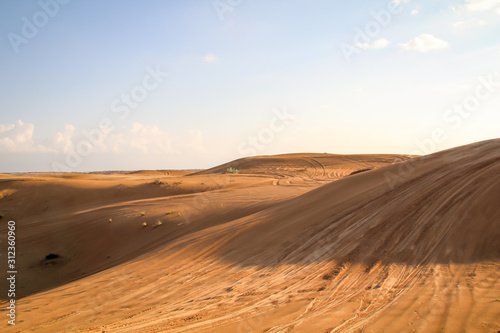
{"x": 291, "y": 243}
{"x": 322, "y": 166}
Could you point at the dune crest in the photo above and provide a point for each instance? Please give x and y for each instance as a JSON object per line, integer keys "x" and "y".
{"x": 380, "y": 243}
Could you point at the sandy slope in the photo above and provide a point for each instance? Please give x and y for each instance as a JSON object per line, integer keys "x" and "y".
{"x": 413, "y": 246}
{"x": 316, "y": 166}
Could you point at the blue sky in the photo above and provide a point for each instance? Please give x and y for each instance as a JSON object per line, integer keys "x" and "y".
{"x": 235, "y": 68}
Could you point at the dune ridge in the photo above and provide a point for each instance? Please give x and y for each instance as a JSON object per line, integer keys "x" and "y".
{"x": 409, "y": 245}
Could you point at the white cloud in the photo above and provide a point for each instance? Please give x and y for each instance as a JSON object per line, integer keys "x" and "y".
{"x": 138, "y": 138}
{"x": 482, "y": 5}
{"x": 414, "y": 12}
{"x": 378, "y": 44}
{"x": 62, "y": 140}
{"x": 398, "y": 2}
{"x": 5, "y": 128}
{"x": 19, "y": 138}
{"x": 209, "y": 58}
{"x": 147, "y": 139}
{"x": 474, "y": 22}
{"x": 424, "y": 43}
{"x": 476, "y": 14}
{"x": 195, "y": 141}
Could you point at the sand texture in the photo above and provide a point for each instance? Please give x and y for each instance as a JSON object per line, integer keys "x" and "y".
{"x": 292, "y": 243}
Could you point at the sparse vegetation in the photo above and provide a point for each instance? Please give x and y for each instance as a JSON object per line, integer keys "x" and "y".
{"x": 168, "y": 213}
{"x": 158, "y": 223}
{"x": 232, "y": 170}
{"x": 110, "y": 220}
{"x": 144, "y": 224}
{"x": 143, "y": 213}
{"x": 157, "y": 181}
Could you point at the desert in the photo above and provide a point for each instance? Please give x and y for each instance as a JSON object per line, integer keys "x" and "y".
{"x": 234, "y": 166}
{"x": 297, "y": 242}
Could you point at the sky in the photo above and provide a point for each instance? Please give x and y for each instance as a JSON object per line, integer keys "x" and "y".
{"x": 128, "y": 85}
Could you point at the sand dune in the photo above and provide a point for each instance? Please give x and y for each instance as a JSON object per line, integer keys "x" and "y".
{"x": 297, "y": 242}
{"x": 317, "y": 166}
